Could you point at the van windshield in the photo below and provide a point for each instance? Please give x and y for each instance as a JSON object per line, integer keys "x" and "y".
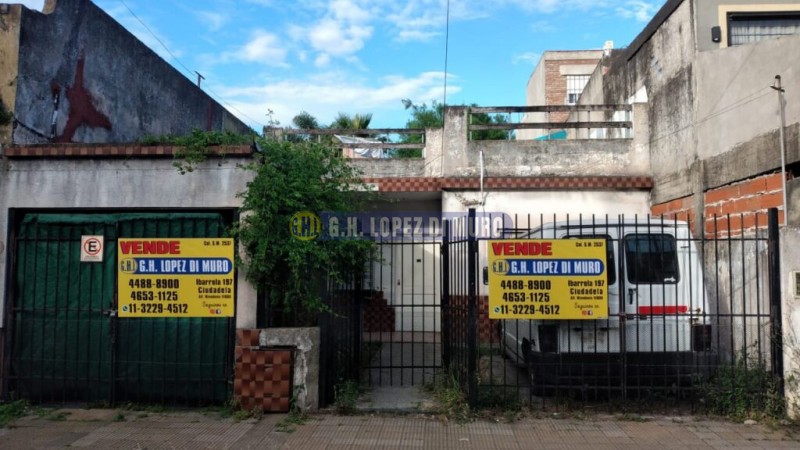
{"x": 651, "y": 258}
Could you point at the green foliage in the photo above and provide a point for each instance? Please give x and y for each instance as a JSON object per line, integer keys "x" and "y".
{"x": 743, "y": 390}
{"x": 120, "y": 417}
{"x": 305, "y": 121}
{"x": 489, "y": 135}
{"x": 292, "y": 177}
{"x": 355, "y": 122}
{"x": 424, "y": 116}
{"x": 451, "y": 398}
{"x": 198, "y": 146}
{"x": 13, "y": 410}
{"x": 294, "y": 418}
{"x": 346, "y": 396}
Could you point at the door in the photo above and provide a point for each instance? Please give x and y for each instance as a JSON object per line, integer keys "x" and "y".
{"x": 654, "y": 291}
{"x": 417, "y": 287}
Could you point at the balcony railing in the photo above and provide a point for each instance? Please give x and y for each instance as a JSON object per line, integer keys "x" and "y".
{"x": 571, "y": 121}
{"x": 387, "y": 141}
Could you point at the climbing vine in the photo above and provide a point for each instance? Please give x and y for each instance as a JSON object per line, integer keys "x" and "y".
{"x": 196, "y": 147}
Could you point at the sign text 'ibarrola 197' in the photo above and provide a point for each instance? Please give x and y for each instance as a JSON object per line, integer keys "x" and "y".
{"x": 175, "y": 277}
{"x": 547, "y": 279}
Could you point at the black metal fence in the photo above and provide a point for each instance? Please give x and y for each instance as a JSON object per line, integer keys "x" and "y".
{"x": 384, "y": 329}
{"x": 693, "y": 319}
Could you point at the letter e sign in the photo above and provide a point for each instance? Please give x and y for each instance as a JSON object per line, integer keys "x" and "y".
{"x": 92, "y": 248}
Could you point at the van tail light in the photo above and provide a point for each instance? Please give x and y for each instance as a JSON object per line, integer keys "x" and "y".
{"x": 662, "y": 310}
{"x": 548, "y": 338}
{"x": 701, "y": 337}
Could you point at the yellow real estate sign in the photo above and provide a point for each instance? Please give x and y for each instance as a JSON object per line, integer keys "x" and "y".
{"x": 547, "y": 279}
{"x": 175, "y": 277}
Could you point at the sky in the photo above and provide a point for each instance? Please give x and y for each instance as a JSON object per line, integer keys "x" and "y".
{"x": 365, "y": 56}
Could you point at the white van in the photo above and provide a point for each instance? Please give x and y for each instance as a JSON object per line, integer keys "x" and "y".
{"x": 658, "y": 326}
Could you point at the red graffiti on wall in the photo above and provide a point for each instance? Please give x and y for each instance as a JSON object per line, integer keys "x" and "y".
{"x": 81, "y": 107}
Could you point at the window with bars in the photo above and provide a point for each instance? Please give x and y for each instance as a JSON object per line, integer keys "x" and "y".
{"x": 575, "y": 85}
{"x": 745, "y": 28}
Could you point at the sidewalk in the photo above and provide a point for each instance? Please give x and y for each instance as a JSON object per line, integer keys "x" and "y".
{"x": 114, "y": 429}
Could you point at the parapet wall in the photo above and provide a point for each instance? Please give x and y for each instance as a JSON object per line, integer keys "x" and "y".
{"x": 81, "y": 77}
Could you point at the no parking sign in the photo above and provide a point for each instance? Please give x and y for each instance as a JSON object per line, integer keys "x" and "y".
{"x": 92, "y": 248}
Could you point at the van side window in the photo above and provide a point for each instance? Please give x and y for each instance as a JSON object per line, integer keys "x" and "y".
{"x": 651, "y": 258}
{"x": 611, "y": 264}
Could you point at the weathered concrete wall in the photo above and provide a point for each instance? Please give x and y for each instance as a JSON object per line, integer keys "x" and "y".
{"x": 449, "y": 153}
{"x": 737, "y": 112}
{"x": 401, "y": 167}
{"x": 9, "y": 52}
{"x": 712, "y": 118}
{"x": 790, "y": 262}
{"x": 306, "y": 341}
{"x": 552, "y": 158}
{"x": 118, "y": 184}
{"x": 103, "y": 83}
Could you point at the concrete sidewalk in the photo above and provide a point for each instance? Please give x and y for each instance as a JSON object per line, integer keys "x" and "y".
{"x": 114, "y": 429}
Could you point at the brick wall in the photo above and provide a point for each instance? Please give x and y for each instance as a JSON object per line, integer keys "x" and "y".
{"x": 556, "y": 84}
{"x": 729, "y": 210}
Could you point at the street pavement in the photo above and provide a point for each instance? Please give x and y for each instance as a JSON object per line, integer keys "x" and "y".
{"x": 126, "y": 429}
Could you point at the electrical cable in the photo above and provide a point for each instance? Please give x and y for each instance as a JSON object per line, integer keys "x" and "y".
{"x": 189, "y": 71}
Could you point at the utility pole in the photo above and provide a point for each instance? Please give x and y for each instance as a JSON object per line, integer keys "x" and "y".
{"x": 199, "y": 78}
{"x": 777, "y": 86}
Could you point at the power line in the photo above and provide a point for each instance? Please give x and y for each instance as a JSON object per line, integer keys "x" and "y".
{"x": 188, "y": 70}
{"x": 155, "y": 36}
{"x": 444, "y": 95}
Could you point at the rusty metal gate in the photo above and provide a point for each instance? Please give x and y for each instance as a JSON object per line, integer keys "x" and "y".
{"x": 64, "y": 341}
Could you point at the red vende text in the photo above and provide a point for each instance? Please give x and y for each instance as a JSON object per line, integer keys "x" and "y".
{"x": 150, "y": 247}
{"x": 522, "y": 248}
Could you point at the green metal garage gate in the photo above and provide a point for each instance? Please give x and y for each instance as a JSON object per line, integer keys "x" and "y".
{"x": 68, "y": 345}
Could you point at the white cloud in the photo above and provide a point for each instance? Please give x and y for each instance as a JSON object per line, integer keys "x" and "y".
{"x": 338, "y": 38}
{"x": 322, "y": 60}
{"x": 263, "y": 47}
{"x": 640, "y": 10}
{"x": 213, "y": 20}
{"x": 326, "y": 94}
{"x": 531, "y": 58}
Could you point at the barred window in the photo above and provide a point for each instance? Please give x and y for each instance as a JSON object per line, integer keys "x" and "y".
{"x": 575, "y": 85}
{"x": 753, "y": 27}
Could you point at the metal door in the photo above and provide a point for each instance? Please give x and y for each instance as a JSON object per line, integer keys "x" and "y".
{"x": 66, "y": 343}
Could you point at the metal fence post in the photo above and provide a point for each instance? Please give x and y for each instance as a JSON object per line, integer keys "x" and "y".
{"x": 445, "y": 292}
{"x": 358, "y": 300}
{"x": 775, "y": 294}
{"x": 472, "y": 316}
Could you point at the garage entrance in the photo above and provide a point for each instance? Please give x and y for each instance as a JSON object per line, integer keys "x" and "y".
{"x": 65, "y": 342}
